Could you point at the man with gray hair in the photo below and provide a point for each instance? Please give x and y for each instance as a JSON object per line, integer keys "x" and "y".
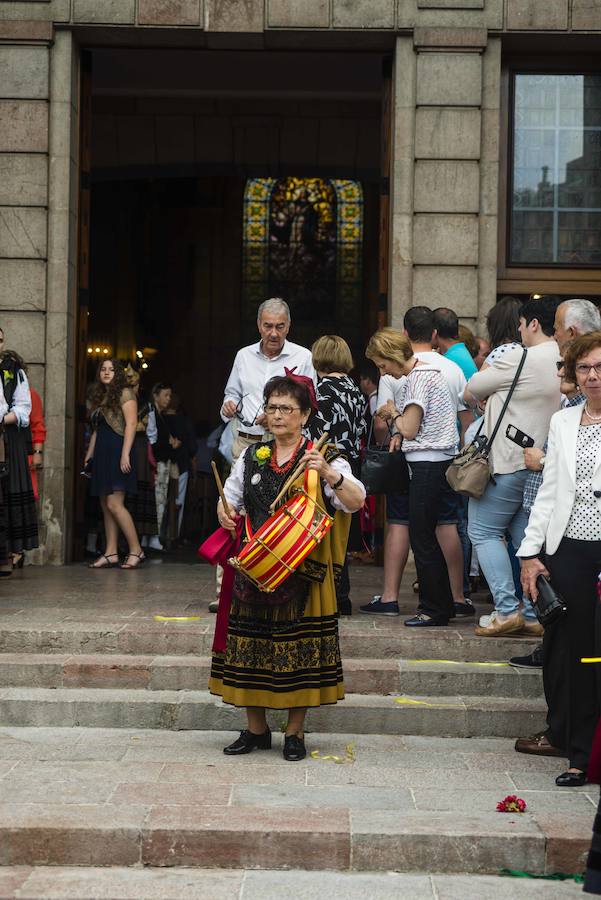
{"x": 254, "y": 366}
{"x": 573, "y": 318}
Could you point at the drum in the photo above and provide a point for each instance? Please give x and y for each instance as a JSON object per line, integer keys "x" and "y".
{"x": 281, "y": 544}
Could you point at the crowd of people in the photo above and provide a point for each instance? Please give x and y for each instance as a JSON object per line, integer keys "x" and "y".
{"x": 534, "y": 382}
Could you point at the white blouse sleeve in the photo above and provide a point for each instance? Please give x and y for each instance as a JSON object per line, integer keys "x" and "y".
{"x": 21, "y": 402}
{"x": 151, "y": 427}
{"x": 342, "y": 466}
{"x": 234, "y": 486}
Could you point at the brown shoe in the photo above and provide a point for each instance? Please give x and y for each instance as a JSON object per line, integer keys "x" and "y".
{"x": 497, "y": 626}
{"x": 534, "y": 629}
{"x": 537, "y": 745}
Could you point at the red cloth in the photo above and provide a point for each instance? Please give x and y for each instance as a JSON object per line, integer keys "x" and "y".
{"x": 38, "y": 434}
{"x": 217, "y": 549}
{"x": 308, "y": 383}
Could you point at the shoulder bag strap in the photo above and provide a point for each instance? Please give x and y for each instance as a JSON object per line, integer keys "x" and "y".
{"x": 507, "y": 399}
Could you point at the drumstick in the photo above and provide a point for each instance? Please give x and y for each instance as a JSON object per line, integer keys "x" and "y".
{"x": 298, "y": 471}
{"x": 222, "y": 497}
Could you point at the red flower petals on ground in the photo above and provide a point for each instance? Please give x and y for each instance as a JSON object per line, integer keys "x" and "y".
{"x": 511, "y": 804}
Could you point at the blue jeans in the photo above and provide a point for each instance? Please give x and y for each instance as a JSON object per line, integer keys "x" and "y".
{"x": 498, "y": 511}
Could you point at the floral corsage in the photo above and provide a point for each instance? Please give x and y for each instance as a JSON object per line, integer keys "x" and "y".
{"x": 512, "y": 804}
{"x": 262, "y": 454}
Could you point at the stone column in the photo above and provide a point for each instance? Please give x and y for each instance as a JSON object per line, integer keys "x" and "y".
{"x": 61, "y": 296}
{"x": 401, "y": 181}
{"x": 452, "y": 194}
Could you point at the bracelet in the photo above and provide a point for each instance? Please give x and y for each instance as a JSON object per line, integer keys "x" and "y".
{"x": 38, "y": 451}
{"x": 338, "y": 483}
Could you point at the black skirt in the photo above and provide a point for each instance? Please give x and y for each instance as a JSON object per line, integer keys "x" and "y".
{"x": 21, "y": 513}
{"x": 142, "y": 506}
{"x": 107, "y": 477}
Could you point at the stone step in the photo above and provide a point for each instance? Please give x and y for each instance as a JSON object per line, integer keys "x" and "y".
{"x": 462, "y": 716}
{"x": 359, "y": 638}
{"x": 130, "y": 883}
{"x": 362, "y": 676}
{"x": 286, "y": 836}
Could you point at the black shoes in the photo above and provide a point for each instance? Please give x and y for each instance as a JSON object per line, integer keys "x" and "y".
{"x": 248, "y": 742}
{"x": 421, "y": 620}
{"x": 376, "y": 606}
{"x": 571, "y": 779}
{"x": 464, "y": 610}
{"x": 294, "y": 748}
{"x": 533, "y": 661}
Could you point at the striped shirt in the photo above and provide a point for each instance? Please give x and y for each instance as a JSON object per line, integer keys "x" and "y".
{"x": 437, "y": 437}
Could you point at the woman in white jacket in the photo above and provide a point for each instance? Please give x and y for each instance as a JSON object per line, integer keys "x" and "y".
{"x": 566, "y": 521}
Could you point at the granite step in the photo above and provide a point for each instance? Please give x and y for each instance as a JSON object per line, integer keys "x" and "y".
{"x": 123, "y": 883}
{"x": 359, "y": 638}
{"x": 362, "y": 676}
{"x": 454, "y": 716}
{"x": 158, "y": 834}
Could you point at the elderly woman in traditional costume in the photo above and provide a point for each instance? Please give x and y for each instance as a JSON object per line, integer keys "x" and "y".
{"x": 282, "y": 648}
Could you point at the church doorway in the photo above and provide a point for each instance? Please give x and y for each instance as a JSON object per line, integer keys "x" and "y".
{"x": 216, "y": 180}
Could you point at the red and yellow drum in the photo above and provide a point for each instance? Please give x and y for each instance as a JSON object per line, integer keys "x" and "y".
{"x": 281, "y": 544}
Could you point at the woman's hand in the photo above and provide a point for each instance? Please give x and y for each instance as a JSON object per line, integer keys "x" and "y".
{"x": 388, "y": 411}
{"x": 224, "y": 520}
{"x": 125, "y": 464}
{"x": 530, "y": 570}
{"x": 395, "y": 443}
{"x": 315, "y": 460}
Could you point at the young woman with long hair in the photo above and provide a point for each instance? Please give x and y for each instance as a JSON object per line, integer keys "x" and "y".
{"x": 114, "y": 417}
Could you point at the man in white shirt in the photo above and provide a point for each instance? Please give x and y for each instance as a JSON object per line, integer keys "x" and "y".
{"x": 419, "y": 327}
{"x": 254, "y": 366}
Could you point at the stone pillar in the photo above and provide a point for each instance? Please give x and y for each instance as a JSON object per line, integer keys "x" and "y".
{"x": 38, "y": 203}
{"x": 401, "y": 181}
{"x": 453, "y": 211}
{"x": 61, "y": 296}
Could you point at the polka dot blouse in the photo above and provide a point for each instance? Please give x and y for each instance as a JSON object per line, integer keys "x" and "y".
{"x": 585, "y": 521}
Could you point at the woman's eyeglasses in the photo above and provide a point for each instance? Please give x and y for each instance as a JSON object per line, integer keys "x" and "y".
{"x": 273, "y": 408}
{"x": 584, "y": 370}
{"x": 560, "y": 364}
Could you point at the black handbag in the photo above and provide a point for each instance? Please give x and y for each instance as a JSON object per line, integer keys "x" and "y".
{"x": 382, "y": 471}
{"x": 549, "y": 606}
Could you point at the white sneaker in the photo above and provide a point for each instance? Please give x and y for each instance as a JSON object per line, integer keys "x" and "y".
{"x": 485, "y": 621}
{"x": 154, "y": 543}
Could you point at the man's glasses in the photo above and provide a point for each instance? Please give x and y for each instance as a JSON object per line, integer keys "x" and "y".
{"x": 273, "y": 408}
{"x": 584, "y": 370}
{"x": 248, "y": 423}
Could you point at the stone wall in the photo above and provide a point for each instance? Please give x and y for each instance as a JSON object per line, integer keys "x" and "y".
{"x": 255, "y": 16}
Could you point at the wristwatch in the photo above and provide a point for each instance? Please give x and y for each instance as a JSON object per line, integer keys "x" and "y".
{"x": 542, "y": 460}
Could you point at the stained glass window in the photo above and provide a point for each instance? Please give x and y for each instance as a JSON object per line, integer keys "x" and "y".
{"x": 303, "y": 240}
{"x": 556, "y": 196}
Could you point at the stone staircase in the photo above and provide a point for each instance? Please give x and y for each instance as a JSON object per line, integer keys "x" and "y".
{"x": 110, "y": 753}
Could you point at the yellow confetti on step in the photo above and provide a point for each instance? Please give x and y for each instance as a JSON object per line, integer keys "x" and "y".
{"x": 455, "y": 662}
{"x": 177, "y": 618}
{"x": 407, "y": 701}
{"x": 339, "y": 760}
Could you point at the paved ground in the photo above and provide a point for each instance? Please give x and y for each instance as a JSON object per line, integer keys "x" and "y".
{"x": 421, "y": 802}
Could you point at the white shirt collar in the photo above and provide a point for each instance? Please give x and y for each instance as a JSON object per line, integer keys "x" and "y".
{"x": 285, "y": 351}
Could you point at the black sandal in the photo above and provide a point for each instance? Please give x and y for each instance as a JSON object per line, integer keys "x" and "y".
{"x": 105, "y": 565}
{"x": 140, "y": 556}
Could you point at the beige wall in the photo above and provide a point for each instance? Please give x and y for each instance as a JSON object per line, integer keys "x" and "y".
{"x": 444, "y": 178}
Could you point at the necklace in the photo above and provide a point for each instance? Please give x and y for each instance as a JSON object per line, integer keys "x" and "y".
{"x": 281, "y": 470}
{"x": 592, "y": 418}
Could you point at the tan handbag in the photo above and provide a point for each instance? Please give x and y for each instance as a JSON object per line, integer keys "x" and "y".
{"x": 469, "y": 473}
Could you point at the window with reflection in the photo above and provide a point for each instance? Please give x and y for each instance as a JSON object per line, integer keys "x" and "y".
{"x": 303, "y": 240}
{"x": 555, "y": 216}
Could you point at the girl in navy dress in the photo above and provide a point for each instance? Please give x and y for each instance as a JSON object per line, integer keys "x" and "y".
{"x": 114, "y": 418}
